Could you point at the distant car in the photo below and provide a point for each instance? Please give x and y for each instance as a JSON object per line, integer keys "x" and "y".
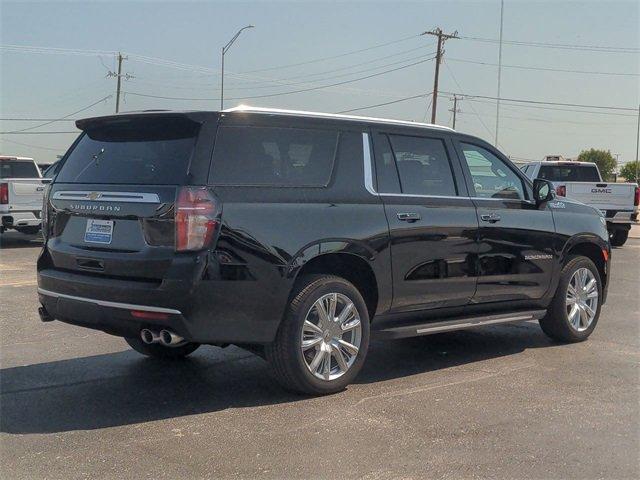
{"x": 21, "y": 192}
{"x": 300, "y": 235}
{"x": 582, "y": 181}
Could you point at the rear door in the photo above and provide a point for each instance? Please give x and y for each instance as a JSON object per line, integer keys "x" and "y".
{"x": 24, "y": 184}
{"x": 516, "y": 257}
{"x": 112, "y": 202}
{"x": 432, "y": 221}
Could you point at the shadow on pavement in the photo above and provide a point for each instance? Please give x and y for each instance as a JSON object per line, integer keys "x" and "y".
{"x": 124, "y": 388}
{"x": 13, "y": 239}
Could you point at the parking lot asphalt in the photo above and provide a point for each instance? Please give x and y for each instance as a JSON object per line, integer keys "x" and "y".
{"x": 499, "y": 401}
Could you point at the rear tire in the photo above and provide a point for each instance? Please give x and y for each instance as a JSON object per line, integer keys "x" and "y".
{"x": 561, "y": 323}
{"x": 619, "y": 236}
{"x": 156, "y": 350}
{"x": 320, "y": 354}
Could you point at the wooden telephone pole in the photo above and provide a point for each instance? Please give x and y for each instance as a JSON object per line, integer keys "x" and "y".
{"x": 442, "y": 37}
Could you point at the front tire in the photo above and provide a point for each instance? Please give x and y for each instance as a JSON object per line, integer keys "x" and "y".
{"x": 575, "y": 308}
{"x": 156, "y": 350}
{"x": 322, "y": 342}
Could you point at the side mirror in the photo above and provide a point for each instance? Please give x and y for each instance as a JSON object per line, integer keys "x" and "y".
{"x": 543, "y": 191}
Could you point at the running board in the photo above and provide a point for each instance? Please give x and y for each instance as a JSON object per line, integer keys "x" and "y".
{"x": 456, "y": 324}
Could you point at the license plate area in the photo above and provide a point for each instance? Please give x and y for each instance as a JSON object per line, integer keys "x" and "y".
{"x": 99, "y": 231}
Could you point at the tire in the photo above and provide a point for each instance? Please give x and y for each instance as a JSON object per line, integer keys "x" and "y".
{"x": 28, "y": 230}
{"x": 291, "y": 367}
{"x": 557, "y": 322}
{"x": 156, "y": 350}
{"x": 619, "y": 236}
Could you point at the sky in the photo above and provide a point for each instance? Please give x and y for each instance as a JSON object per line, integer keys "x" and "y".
{"x": 173, "y": 50}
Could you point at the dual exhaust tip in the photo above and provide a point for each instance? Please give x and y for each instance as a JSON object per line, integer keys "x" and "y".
{"x": 166, "y": 338}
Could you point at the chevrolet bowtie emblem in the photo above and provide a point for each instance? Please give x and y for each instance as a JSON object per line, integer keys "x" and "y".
{"x": 94, "y": 195}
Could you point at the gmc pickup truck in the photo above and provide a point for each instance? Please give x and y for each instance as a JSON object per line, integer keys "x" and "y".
{"x": 582, "y": 181}
{"x": 21, "y": 192}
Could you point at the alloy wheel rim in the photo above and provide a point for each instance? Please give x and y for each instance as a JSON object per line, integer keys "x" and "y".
{"x": 582, "y": 299}
{"x": 331, "y": 336}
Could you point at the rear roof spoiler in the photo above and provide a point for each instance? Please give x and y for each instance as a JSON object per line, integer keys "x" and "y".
{"x": 91, "y": 122}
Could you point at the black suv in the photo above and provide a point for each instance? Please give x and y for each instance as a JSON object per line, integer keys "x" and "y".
{"x": 300, "y": 236}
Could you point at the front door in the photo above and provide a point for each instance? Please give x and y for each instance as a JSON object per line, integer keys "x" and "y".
{"x": 516, "y": 238}
{"x": 432, "y": 222}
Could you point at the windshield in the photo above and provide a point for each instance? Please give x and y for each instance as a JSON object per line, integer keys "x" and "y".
{"x": 143, "y": 152}
{"x": 569, "y": 173}
{"x": 18, "y": 169}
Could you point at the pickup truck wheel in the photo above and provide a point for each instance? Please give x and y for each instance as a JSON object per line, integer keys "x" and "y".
{"x": 160, "y": 351}
{"x": 618, "y": 236}
{"x": 575, "y": 308}
{"x": 322, "y": 342}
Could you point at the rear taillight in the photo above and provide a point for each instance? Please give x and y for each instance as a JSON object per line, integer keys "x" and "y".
{"x": 636, "y": 198}
{"x": 561, "y": 190}
{"x": 196, "y": 218}
{"x": 44, "y": 215}
{"x": 4, "y": 193}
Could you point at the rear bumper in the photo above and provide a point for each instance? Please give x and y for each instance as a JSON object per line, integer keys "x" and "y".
{"x": 202, "y": 311}
{"x": 622, "y": 217}
{"x": 20, "y": 219}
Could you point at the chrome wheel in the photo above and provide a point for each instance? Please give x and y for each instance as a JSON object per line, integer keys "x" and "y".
{"x": 331, "y": 336}
{"x": 582, "y": 299}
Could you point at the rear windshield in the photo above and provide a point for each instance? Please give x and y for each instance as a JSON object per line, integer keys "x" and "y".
{"x": 569, "y": 173}
{"x": 271, "y": 156}
{"x": 143, "y": 152}
{"x": 18, "y": 169}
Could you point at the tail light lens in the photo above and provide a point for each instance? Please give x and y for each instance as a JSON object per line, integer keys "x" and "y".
{"x": 4, "y": 193}
{"x": 44, "y": 215}
{"x": 196, "y": 218}
{"x": 636, "y": 199}
{"x": 561, "y": 190}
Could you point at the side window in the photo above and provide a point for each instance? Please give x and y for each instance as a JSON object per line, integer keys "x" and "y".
{"x": 423, "y": 166}
{"x": 386, "y": 171}
{"x": 492, "y": 177}
{"x": 271, "y": 156}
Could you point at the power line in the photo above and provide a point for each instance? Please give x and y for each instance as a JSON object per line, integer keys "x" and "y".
{"x": 553, "y": 108}
{"x": 322, "y": 59}
{"x": 61, "y": 149}
{"x": 37, "y": 119}
{"x": 540, "y": 102}
{"x": 285, "y": 93}
{"x": 565, "y": 46}
{"x": 61, "y": 118}
{"x": 524, "y": 67}
{"x": 35, "y": 133}
{"x": 57, "y": 51}
{"x": 422, "y": 95}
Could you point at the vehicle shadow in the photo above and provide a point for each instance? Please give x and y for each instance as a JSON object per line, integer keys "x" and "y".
{"x": 124, "y": 388}
{"x": 12, "y": 239}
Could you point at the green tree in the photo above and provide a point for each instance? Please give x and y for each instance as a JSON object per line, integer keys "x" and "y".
{"x": 603, "y": 159}
{"x": 629, "y": 171}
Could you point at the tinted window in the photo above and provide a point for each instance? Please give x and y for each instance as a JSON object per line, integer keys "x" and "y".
{"x": 18, "y": 169}
{"x": 386, "y": 171}
{"x": 273, "y": 156}
{"x": 423, "y": 166}
{"x": 569, "y": 173}
{"x": 139, "y": 152}
{"x": 492, "y": 177}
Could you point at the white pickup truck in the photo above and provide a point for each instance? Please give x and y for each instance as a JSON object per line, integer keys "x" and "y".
{"x": 21, "y": 191}
{"x": 582, "y": 181}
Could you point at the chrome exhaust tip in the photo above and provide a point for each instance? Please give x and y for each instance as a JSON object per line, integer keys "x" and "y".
{"x": 149, "y": 336}
{"x": 171, "y": 339}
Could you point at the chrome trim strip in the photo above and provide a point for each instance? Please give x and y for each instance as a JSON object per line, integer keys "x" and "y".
{"x": 368, "y": 175}
{"x": 476, "y": 323}
{"x": 302, "y": 113}
{"x": 95, "y": 196}
{"x": 104, "y": 303}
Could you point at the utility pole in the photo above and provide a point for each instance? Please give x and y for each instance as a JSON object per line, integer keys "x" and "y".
{"x": 499, "y": 72}
{"x": 455, "y": 109}
{"x": 119, "y": 76}
{"x": 442, "y": 37}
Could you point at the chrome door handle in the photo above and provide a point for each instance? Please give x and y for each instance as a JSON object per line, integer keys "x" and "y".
{"x": 408, "y": 217}
{"x": 491, "y": 218}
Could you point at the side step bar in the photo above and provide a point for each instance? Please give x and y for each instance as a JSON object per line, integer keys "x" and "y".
{"x": 456, "y": 324}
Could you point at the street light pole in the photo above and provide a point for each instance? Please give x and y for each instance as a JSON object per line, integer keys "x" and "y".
{"x": 224, "y": 50}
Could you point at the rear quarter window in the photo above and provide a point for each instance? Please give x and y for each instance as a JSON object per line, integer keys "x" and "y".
{"x": 273, "y": 156}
